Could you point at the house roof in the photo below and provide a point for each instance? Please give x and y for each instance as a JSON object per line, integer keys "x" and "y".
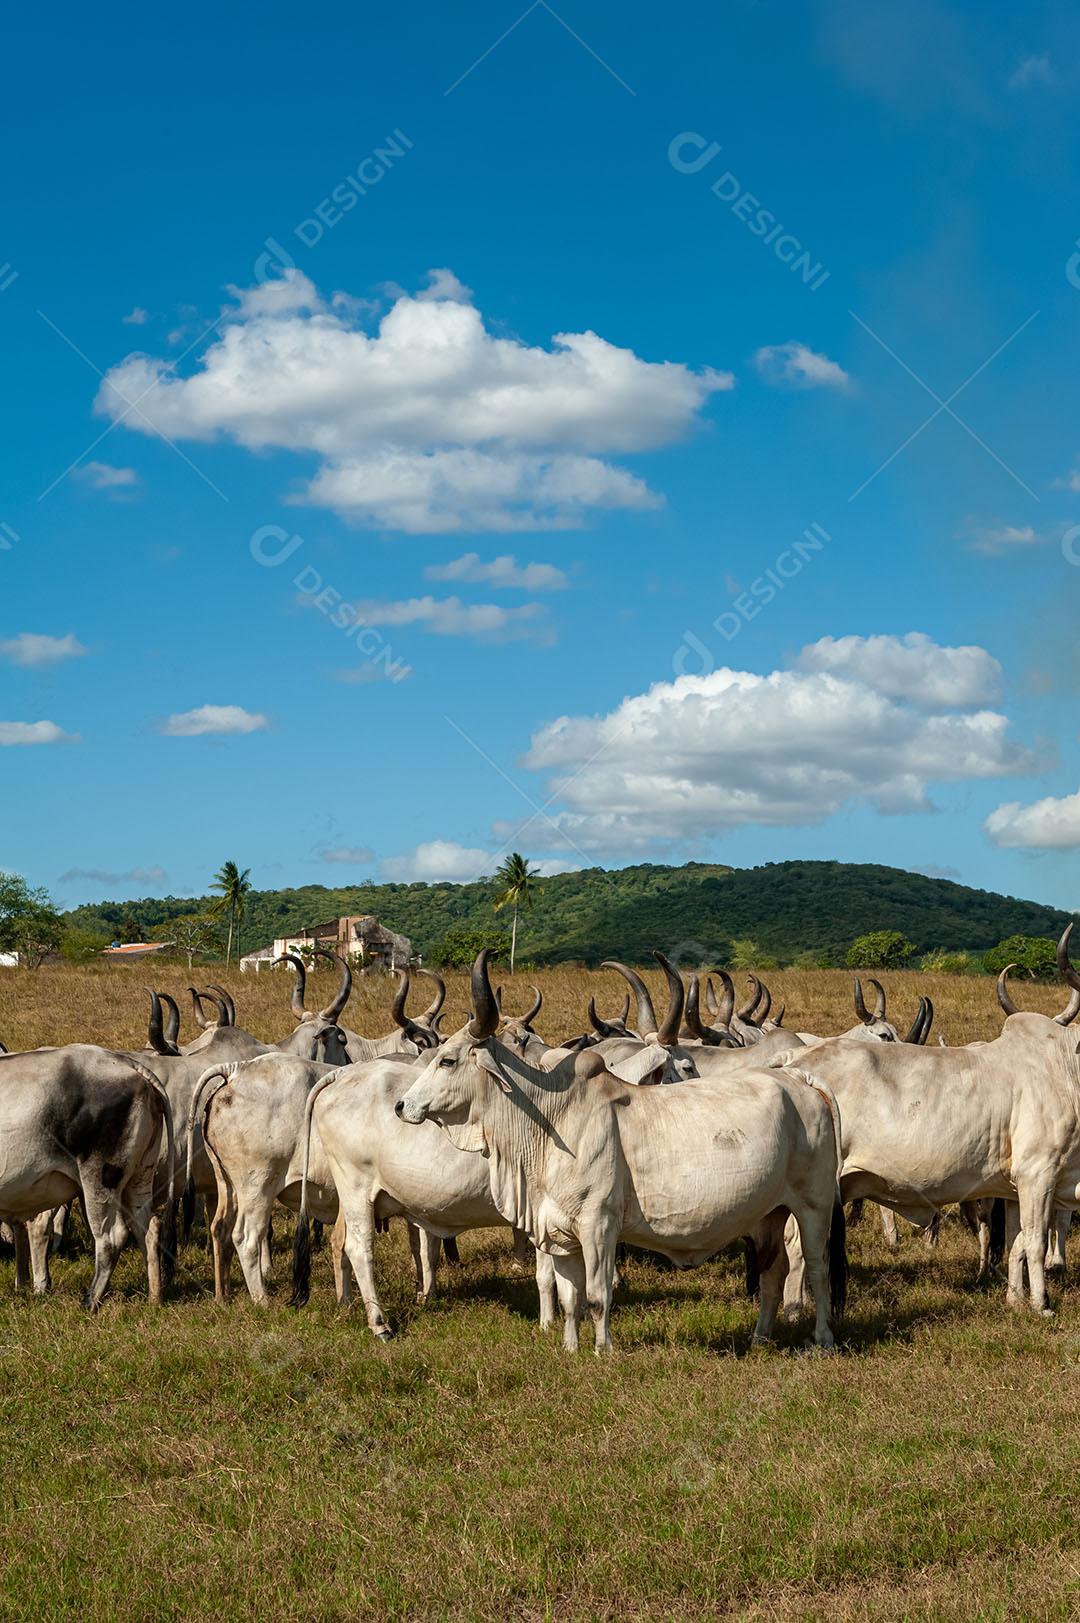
{"x": 136, "y": 949}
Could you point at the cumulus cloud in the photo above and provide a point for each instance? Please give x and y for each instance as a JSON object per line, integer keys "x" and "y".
{"x": 102, "y": 876}
{"x": 796, "y": 366}
{"x": 136, "y": 318}
{"x": 1051, "y": 824}
{"x": 352, "y": 856}
{"x": 997, "y": 540}
{"x": 912, "y": 668}
{"x": 1071, "y": 481}
{"x": 439, "y": 860}
{"x": 103, "y": 476}
{"x": 34, "y": 732}
{"x": 450, "y": 617}
{"x": 503, "y": 572}
{"x": 1032, "y": 70}
{"x": 226, "y": 719}
{"x": 429, "y": 425}
{"x": 37, "y": 652}
{"x": 878, "y": 723}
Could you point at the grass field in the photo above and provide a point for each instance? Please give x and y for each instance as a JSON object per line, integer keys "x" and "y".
{"x": 196, "y": 1461}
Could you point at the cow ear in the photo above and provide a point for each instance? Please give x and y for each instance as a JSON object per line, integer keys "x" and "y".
{"x": 487, "y": 1062}
{"x": 636, "y": 1067}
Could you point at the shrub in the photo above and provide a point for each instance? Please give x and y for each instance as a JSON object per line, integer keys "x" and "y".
{"x": 746, "y": 954}
{"x": 881, "y": 949}
{"x": 81, "y": 946}
{"x": 942, "y": 962}
{"x": 461, "y": 943}
{"x": 1035, "y": 953}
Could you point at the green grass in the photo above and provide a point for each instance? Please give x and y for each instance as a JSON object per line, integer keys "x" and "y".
{"x": 197, "y": 1461}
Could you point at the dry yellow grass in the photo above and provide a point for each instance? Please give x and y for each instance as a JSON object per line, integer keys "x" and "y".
{"x": 206, "y": 1462}
{"x": 107, "y": 1004}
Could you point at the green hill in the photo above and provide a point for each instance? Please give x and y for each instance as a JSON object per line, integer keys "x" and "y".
{"x": 693, "y": 912}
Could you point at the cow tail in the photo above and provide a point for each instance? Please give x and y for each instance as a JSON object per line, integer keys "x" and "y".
{"x": 167, "y": 1240}
{"x": 997, "y": 1232}
{"x": 188, "y": 1205}
{"x": 301, "y": 1269}
{"x": 752, "y": 1265}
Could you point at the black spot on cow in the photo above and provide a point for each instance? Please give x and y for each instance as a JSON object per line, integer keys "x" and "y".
{"x": 111, "y": 1174}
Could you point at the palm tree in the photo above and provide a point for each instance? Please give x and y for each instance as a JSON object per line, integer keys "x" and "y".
{"x": 235, "y": 887}
{"x": 518, "y": 890}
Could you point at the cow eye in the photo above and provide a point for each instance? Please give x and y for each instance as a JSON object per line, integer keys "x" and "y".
{"x": 446, "y": 1059}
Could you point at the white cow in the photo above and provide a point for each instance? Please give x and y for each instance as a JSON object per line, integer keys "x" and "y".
{"x": 581, "y": 1160}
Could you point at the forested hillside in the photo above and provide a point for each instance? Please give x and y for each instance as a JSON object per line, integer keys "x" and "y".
{"x": 695, "y": 911}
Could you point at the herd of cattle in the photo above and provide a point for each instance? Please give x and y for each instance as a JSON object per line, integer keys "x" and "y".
{"x": 765, "y": 1137}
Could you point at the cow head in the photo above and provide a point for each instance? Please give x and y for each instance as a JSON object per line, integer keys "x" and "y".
{"x": 453, "y": 1089}
{"x": 516, "y": 1030}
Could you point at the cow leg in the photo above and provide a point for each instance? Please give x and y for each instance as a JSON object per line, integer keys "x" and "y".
{"x": 932, "y": 1232}
{"x": 1036, "y": 1217}
{"x": 105, "y": 1220}
{"x": 39, "y": 1235}
{"x": 795, "y": 1279}
{"x": 146, "y": 1229}
{"x": 570, "y": 1283}
{"x": 1059, "y": 1234}
{"x": 249, "y": 1238}
{"x": 773, "y": 1267}
{"x": 888, "y": 1226}
{"x": 545, "y": 1285}
{"x": 21, "y": 1242}
{"x": 598, "y": 1242}
{"x": 360, "y": 1250}
{"x": 1014, "y": 1248}
{"x": 981, "y": 1227}
{"x": 219, "y": 1228}
{"x": 342, "y": 1276}
{"x": 61, "y": 1218}
{"x": 814, "y": 1227}
{"x": 266, "y": 1248}
{"x": 425, "y": 1252}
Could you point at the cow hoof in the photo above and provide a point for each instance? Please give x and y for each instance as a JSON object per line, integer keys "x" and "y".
{"x": 384, "y": 1333}
{"x": 1047, "y": 1313}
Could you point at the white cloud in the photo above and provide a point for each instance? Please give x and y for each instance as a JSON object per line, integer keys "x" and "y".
{"x": 1032, "y": 70}
{"x": 134, "y": 876}
{"x": 1071, "y": 480}
{"x": 443, "y": 284}
{"x": 229, "y": 719}
{"x": 136, "y": 318}
{"x": 912, "y": 668}
{"x": 37, "y": 652}
{"x": 432, "y": 424}
{"x": 503, "y": 573}
{"x": 997, "y": 540}
{"x": 103, "y": 476}
{"x": 1052, "y": 824}
{"x": 450, "y": 617}
{"x": 34, "y": 732}
{"x": 439, "y": 860}
{"x": 352, "y": 856}
{"x": 799, "y": 367}
{"x": 700, "y": 756}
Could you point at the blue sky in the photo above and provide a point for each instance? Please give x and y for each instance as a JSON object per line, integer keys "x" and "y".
{"x": 664, "y": 512}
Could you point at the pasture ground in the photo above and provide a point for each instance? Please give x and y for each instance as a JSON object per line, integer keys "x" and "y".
{"x": 196, "y": 1461}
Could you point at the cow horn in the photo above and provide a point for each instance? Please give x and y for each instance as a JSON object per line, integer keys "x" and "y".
{"x": 928, "y": 1020}
{"x": 1003, "y": 995}
{"x": 710, "y": 997}
{"x": 155, "y": 1033}
{"x": 916, "y": 1033}
{"x": 196, "y": 1008}
{"x": 601, "y": 1027}
{"x": 725, "y": 1008}
{"x": 299, "y": 991}
{"x": 692, "y": 1013}
{"x": 498, "y": 998}
{"x": 537, "y": 1006}
{"x": 1069, "y": 1014}
{"x": 172, "y": 1028}
{"x": 668, "y": 1033}
{"x": 485, "y": 1018}
{"x": 397, "y": 1008}
{"x": 334, "y": 1008}
{"x": 762, "y": 1014}
{"x": 879, "y": 1006}
{"x": 215, "y": 997}
{"x": 778, "y": 1017}
{"x": 230, "y": 1006}
{"x": 860, "y": 1006}
{"x": 432, "y": 1013}
{"x": 747, "y": 1011}
{"x": 646, "y": 1014}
